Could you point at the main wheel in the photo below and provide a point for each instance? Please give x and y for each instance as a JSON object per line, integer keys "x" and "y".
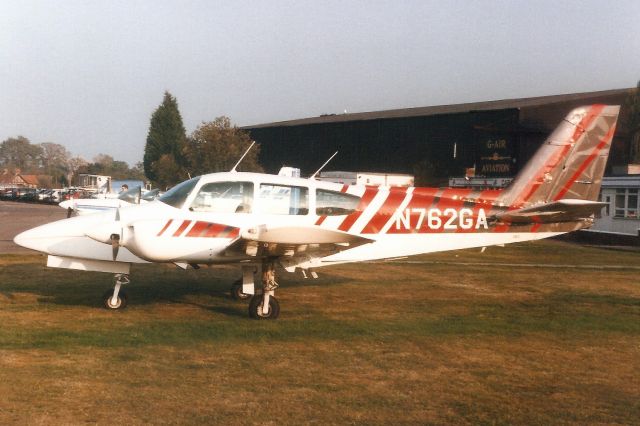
{"x": 255, "y": 308}
{"x": 236, "y": 291}
{"x": 121, "y": 301}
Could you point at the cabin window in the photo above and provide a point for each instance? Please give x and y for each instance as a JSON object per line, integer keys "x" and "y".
{"x": 224, "y": 197}
{"x": 332, "y": 203}
{"x": 177, "y": 195}
{"x": 626, "y": 203}
{"x": 284, "y": 199}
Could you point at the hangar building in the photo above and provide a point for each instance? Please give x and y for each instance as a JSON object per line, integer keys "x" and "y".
{"x": 434, "y": 143}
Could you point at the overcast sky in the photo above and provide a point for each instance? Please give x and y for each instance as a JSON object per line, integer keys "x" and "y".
{"x": 88, "y": 74}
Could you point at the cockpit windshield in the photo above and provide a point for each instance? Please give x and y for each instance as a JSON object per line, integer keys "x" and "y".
{"x": 150, "y": 195}
{"x": 177, "y": 195}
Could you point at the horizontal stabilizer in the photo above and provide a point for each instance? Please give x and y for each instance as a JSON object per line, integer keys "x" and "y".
{"x": 557, "y": 211}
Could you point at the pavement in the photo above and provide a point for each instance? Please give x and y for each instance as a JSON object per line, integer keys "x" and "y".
{"x": 17, "y": 217}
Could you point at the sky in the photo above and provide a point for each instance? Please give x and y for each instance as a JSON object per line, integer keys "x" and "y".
{"x": 89, "y": 74}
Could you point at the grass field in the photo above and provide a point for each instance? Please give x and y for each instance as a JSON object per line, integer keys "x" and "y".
{"x": 457, "y": 338}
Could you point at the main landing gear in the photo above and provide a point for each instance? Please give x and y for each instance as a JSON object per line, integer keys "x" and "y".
{"x": 263, "y": 304}
{"x": 117, "y": 299}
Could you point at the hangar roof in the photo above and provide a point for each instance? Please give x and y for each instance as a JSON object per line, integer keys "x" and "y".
{"x": 573, "y": 98}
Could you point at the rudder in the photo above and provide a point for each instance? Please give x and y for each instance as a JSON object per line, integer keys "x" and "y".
{"x": 570, "y": 163}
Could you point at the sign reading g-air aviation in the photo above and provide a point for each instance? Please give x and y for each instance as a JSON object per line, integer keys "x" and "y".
{"x": 260, "y": 220}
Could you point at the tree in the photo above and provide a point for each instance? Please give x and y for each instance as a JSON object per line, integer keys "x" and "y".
{"x": 631, "y": 121}
{"x": 166, "y": 136}
{"x": 167, "y": 172}
{"x": 73, "y": 166}
{"x": 104, "y": 164}
{"x": 54, "y": 161}
{"x": 217, "y": 146}
{"x": 18, "y": 153}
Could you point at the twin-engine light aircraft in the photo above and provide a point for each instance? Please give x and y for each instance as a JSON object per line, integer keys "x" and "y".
{"x": 260, "y": 220}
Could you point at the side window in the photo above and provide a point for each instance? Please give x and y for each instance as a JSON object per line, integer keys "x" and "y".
{"x": 224, "y": 197}
{"x": 626, "y": 203}
{"x": 283, "y": 199}
{"x": 332, "y": 203}
{"x": 607, "y": 208}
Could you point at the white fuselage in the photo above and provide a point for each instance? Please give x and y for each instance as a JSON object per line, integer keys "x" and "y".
{"x": 197, "y": 225}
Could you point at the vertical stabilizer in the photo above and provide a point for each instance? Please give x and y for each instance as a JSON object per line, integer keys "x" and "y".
{"x": 570, "y": 164}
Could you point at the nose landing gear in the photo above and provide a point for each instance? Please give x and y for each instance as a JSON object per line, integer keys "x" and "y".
{"x": 117, "y": 299}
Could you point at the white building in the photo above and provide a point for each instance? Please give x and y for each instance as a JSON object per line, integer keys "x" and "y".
{"x": 622, "y": 215}
{"x": 94, "y": 182}
{"x": 366, "y": 178}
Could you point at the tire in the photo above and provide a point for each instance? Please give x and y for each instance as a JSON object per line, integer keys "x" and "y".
{"x": 255, "y": 308}
{"x": 236, "y": 291}
{"x": 120, "y": 304}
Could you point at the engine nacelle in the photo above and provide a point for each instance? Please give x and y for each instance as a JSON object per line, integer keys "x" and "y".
{"x": 177, "y": 240}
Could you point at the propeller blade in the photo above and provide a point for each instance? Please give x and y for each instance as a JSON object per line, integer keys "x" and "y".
{"x": 115, "y": 245}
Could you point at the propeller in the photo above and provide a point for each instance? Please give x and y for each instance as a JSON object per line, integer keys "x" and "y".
{"x": 108, "y": 233}
{"x": 115, "y": 238}
{"x": 115, "y": 245}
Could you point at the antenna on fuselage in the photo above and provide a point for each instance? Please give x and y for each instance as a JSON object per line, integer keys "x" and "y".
{"x": 322, "y": 167}
{"x": 233, "y": 170}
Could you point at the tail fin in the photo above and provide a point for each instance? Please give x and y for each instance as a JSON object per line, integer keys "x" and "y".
{"x": 570, "y": 163}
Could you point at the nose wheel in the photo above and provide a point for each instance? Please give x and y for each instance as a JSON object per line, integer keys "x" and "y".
{"x": 257, "y": 304}
{"x": 117, "y": 299}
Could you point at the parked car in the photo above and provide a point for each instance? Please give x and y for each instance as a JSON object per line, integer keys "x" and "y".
{"x": 29, "y": 195}
{"x": 54, "y": 196}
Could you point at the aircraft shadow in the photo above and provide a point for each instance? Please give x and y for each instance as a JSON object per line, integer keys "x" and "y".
{"x": 207, "y": 289}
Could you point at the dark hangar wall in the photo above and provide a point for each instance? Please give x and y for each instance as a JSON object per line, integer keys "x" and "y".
{"x": 497, "y": 137}
{"x": 423, "y": 146}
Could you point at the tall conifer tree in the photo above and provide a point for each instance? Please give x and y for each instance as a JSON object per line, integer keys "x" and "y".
{"x": 166, "y": 137}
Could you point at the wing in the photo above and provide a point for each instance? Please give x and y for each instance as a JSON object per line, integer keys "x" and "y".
{"x": 295, "y": 245}
{"x": 557, "y": 211}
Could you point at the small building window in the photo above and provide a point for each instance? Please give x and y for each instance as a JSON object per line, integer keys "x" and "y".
{"x": 332, "y": 203}
{"x": 626, "y": 203}
{"x": 607, "y": 209}
{"x": 284, "y": 199}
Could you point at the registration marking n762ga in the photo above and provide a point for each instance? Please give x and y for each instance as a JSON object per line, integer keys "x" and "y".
{"x": 449, "y": 219}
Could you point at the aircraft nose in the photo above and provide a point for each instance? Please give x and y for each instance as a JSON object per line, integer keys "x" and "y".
{"x": 31, "y": 239}
{"x": 41, "y": 238}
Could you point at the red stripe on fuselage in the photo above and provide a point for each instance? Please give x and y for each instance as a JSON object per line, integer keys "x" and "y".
{"x": 182, "y": 227}
{"x": 212, "y": 230}
{"x": 215, "y": 230}
{"x": 320, "y": 220}
{"x": 484, "y": 200}
{"x": 369, "y": 194}
{"x": 199, "y": 229}
{"x": 165, "y": 228}
{"x": 386, "y": 212}
{"x": 451, "y": 198}
{"x": 421, "y": 198}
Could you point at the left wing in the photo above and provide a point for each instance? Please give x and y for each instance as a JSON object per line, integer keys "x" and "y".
{"x": 294, "y": 244}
